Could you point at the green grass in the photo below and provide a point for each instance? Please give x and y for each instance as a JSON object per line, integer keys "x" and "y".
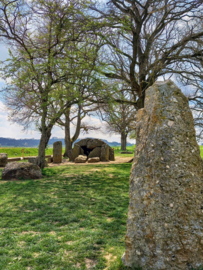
{"x": 17, "y": 151}
{"x": 73, "y": 218}
{"x": 117, "y": 151}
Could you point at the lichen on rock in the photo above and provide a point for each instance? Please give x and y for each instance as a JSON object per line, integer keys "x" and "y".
{"x": 165, "y": 225}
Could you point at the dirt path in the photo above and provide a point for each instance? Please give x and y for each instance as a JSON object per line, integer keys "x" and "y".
{"x": 117, "y": 161}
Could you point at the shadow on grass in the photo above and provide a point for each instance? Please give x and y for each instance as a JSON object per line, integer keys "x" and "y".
{"x": 74, "y": 218}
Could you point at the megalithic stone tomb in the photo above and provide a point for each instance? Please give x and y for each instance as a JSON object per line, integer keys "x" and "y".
{"x": 165, "y": 215}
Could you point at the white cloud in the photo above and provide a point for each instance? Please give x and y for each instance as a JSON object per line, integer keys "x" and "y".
{"x": 12, "y": 130}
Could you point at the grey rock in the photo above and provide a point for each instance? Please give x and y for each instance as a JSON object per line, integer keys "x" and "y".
{"x": 3, "y": 159}
{"x": 105, "y": 152}
{"x": 70, "y": 155}
{"x": 93, "y": 143}
{"x": 49, "y": 159}
{"x": 76, "y": 151}
{"x": 96, "y": 152}
{"x": 111, "y": 154}
{"x": 21, "y": 171}
{"x": 57, "y": 152}
{"x": 83, "y": 142}
{"x": 93, "y": 160}
{"x": 165, "y": 216}
{"x": 81, "y": 159}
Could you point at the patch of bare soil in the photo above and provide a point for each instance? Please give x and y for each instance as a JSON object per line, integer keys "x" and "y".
{"x": 90, "y": 263}
{"x": 117, "y": 161}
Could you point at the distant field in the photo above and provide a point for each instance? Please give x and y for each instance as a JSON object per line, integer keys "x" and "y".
{"x": 17, "y": 151}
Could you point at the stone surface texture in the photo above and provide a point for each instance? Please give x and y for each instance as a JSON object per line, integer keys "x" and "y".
{"x": 21, "y": 171}
{"x": 81, "y": 159}
{"x": 92, "y": 148}
{"x": 105, "y": 152}
{"x": 76, "y": 151}
{"x": 111, "y": 154}
{"x": 3, "y": 159}
{"x": 96, "y": 152}
{"x": 57, "y": 152}
{"x": 165, "y": 214}
{"x": 92, "y": 143}
{"x": 93, "y": 160}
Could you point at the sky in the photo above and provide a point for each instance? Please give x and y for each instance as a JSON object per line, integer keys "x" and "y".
{"x": 13, "y": 130}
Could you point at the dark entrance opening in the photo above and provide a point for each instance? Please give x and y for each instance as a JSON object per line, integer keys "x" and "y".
{"x": 86, "y": 150}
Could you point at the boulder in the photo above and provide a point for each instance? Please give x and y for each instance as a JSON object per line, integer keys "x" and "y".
{"x": 3, "y": 159}
{"x": 83, "y": 142}
{"x": 93, "y": 143}
{"x": 165, "y": 226}
{"x": 111, "y": 154}
{"x": 70, "y": 154}
{"x": 96, "y": 152}
{"x": 104, "y": 152}
{"x": 76, "y": 151}
{"x": 21, "y": 171}
{"x": 93, "y": 160}
{"x": 57, "y": 152}
{"x": 81, "y": 159}
{"x": 49, "y": 159}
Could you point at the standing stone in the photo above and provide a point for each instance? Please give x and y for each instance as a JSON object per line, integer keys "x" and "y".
{"x": 57, "y": 152}
{"x": 105, "y": 152}
{"x": 96, "y": 152}
{"x": 165, "y": 215}
{"x": 76, "y": 151}
{"x": 3, "y": 159}
{"x": 111, "y": 154}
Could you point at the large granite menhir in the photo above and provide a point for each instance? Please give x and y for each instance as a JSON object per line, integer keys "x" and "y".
{"x": 165, "y": 215}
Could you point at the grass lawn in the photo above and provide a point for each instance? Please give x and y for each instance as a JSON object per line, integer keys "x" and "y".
{"x": 74, "y": 218}
{"x": 17, "y": 151}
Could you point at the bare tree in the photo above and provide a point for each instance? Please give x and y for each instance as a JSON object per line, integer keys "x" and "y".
{"x": 120, "y": 117}
{"x": 147, "y": 39}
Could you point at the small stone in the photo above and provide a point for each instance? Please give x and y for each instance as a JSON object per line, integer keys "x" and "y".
{"x": 167, "y": 167}
{"x": 93, "y": 160}
{"x": 171, "y": 205}
{"x": 170, "y": 123}
{"x": 3, "y": 159}
{"x": 81, "y": 159}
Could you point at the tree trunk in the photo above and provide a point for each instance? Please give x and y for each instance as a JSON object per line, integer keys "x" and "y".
{"x": 45, "y": 136}
{"x": 123, "y": 141}
{"x": 68, "y": 140}
{"x": 68, "y": 144}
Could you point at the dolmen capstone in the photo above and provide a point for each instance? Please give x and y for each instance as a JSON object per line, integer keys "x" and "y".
{"x": 3, "y": 159}
{"x": 21, "y": 171}
{"x": 91, "y": 148}
{"x": 57, "y": 152}
{"x": 165, "y": 214}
